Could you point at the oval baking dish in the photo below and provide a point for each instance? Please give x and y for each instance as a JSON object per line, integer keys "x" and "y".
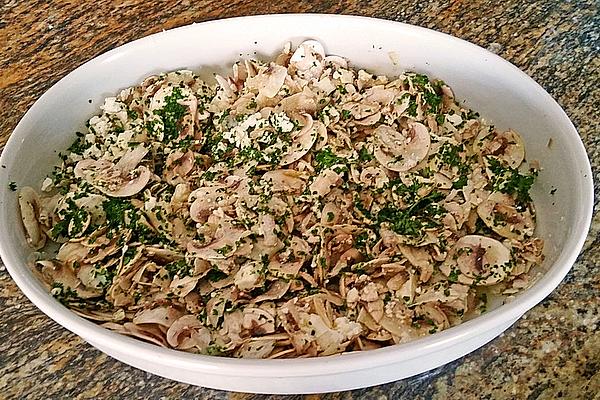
{"x": 502, "y": 93}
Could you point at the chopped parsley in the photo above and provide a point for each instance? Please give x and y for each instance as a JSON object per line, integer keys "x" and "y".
{"x": 420, "y": 80}
{"x": 433, "y": 101}
{"x": 170, "y": 115}
{"x": 79, "y": 145}
{"x": 179, "y": 268}
{"x": 410, "y": 221}
{"x": 224, "y": 250}
{"x": 450, "y": 155}
{"x": 115, "y": 209}
{"x": 412, "y": 106}
{"x": 326, "y": 158}
{"x": 62, "y": 294}
{"x": 364, "y": 155}
{"x": 12, "y": 186}
{"x": 453, "y": 276}
{"x": 510, "y": 181}
{"x": 215, "y": 275}
{"x": 72, "y": 221}
{"x": 132, "y": 114}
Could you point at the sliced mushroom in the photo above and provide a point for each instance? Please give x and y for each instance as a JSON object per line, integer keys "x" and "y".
{"x": 188, "y": 332}
{"x": 303, "y": 102}
{"x": 89, "y": 276}
{"x": 258, "y": 321}
{"x": 302, "y": 140}
{"x": 183, "y": 286}
{"x": 307, "y": 60}
{"x": 122, "y": 179}
{"x": 401, "y": 151}
{"x": 336, "y": 60}
{"x": 420, "y": 258}
{"x": 256, "y": 349}
{"x": 206, "y": 199}
{"x": 362, "y": 110}
{"x": 285, "y": 180}
{"x": 434, "y": 314}
{"x": 478, "y": 260}
{"x": 507, "y": 146}
{"x": 178, "y": 166}
{"x": 29, "y": 205}
{"x": 57, "y": 273}
{"x": 324, "y": 182}
{"x": 164, "y": 316}
{"x": 499, "y": 213}
{"x": 331, "y": 214}
{"x": 269, "y": 81}
{"x": 149, "y": 333}
{"x": 249, "y": 276}
{"x": 276, "y": 291}
{"x": 374, "y": 176}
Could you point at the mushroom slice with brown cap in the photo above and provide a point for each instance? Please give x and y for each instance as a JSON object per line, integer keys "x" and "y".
{"x": 478, "y": 260}
{"x": 500, "y": 213}
{"x": 204, "y": 200}
{"x": 164, "y": 316}
{"x": 256, "y": 349}
{"x": 258, "y": 321}
{"x": 122, "y": 179}
{"x": 302, "y": 140}
{"x": 227, "y": 242}
{"x": 29, "y": 205}
{"x": 178, "y": 166}
{"x": 325, "y": 181}
{"x": 401, "y": 151}
{"x": 285, "y": 180}
{"x": 507, "y": 146}
{"x": 188, "y": 332}
{"x": 150, "y": 333}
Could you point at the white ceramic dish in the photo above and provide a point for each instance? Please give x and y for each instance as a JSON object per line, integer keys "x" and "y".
{"x": 492, "y": 86}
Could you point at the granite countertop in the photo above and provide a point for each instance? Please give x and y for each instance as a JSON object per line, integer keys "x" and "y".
{"x": 552, "y": 352}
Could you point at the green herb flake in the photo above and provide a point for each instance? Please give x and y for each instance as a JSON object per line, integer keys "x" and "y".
{"x": 453, "y": 276}
{"x": 171, "y": 114}
{"x": 364, "y": 155}
{"x": 79, "y": 145}
{"x": 215, "y": 275}
{"x": 510, "y": 181}
{"x": 327, "y": 158}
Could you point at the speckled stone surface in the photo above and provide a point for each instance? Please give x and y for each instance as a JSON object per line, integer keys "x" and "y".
{"x": 553, "y": 352}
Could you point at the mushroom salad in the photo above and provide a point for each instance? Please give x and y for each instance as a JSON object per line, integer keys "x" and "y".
{"x": 297, "y": 208}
